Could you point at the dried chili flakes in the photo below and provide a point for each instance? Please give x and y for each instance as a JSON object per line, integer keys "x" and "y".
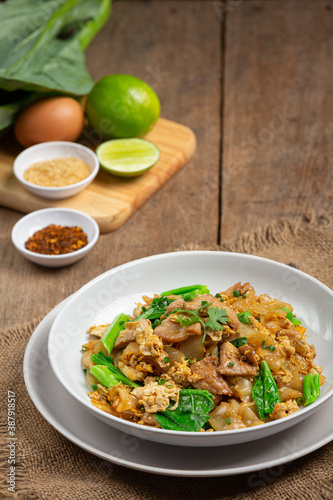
{"x": 57, "y": 240}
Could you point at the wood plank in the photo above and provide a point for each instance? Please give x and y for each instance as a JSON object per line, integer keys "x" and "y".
{"x": 277, "y": 140}
{"x": 109, "y": 200}
{"x": 175, "y": 46}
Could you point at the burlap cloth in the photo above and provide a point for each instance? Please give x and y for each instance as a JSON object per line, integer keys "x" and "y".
{"x": 50, "y": 467}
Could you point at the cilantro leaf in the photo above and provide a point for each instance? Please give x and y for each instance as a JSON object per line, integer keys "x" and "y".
{"x": 186, "y": 321}
{"x": 217, "y": 318}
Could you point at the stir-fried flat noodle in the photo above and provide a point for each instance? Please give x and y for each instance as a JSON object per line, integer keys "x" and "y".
{"x": 230, "y": 361}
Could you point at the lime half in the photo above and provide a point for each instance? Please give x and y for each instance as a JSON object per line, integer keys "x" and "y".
{"x": 127, "y": 157}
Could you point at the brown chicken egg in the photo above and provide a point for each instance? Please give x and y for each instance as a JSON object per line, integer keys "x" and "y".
{"x": 51, "y": 119}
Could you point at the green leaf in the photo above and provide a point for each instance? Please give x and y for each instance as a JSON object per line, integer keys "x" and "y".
{"x": 11, "y": 103}
{"x": 186, "y": 321}
{"x": 156, "y": 309}
{"x": 258, "y": 395}
{"x": 101, "y": 360}
{"x": 42, "y": 43}
{"x": 311, "y": 388}
{"x": 216, "y": 318}
{"x": 191, "y": 413}
{"x": 239, "y": 341}
{"x": 265, "y": 393}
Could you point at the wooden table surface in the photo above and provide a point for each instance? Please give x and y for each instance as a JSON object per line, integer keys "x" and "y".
{"x": 253, "y": 79}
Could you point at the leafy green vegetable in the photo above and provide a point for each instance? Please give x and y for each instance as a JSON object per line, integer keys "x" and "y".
{"x": 311, "y": 388}
{"x": 191, "y": 413}
{"x": 101, "y": 359}
{"x": 11, "y": 103}
{"x": 104, "y": 375}
{"x": 41, "y": 48}
{"x": 156, "y": 309}
{"x": 291, "y": 317}
{"x": 269, "y": 347}
{"x": 110, "y": 336}
{"x": 239, "y": 341}
{"x": 216, "y": 318}
{"x": 265, "y": 393}
{"x": 158, "y": 306}
{"x": 35, "y": 52}
{"x": 187, "y": 292}
{"x": 110, "y": 377}
{"x": 244, "y": 317}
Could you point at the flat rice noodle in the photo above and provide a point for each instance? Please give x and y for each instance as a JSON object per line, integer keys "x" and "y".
{"x": 226, "y": 410}
{"x": 287, "y": 393}
{"x": 121, "y": 399}
{"x": 90, "y": 379}
{"x": 243, "y": 388}
{"x": 248, "y": 416}
{"x": 256, "y": 338}
{"x": 192, "y": 348}
{"x": 130, "y": 349}
{"x": 173, "y": 354}
{"x": 274, "y": 359}
{"x": 296, "y": 382}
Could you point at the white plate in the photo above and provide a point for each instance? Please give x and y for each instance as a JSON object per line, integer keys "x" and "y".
{"x": 311, "y": 299}
{"x": 80, "y": 427}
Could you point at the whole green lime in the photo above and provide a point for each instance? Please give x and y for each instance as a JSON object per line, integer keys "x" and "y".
{"x": 122, "y": 106}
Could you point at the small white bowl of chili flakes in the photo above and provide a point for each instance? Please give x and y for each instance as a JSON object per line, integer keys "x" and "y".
{"x": 55, "y": 237}
{"x": 56, "y": 170}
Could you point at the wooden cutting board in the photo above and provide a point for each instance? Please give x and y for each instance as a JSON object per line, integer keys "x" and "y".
{"x": 109, "y": 200}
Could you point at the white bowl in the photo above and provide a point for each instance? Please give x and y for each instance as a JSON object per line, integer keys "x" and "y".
{"x": 39, "y": 219}
{"x": 115, "y": 291}
{"x": 49, "y": 151}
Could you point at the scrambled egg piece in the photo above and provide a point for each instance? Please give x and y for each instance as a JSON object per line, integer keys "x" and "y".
{"x": 98, "y": 331}
{"x": 139, "y": 357}
{"x": 156, "y": 397}
{"x": 283, "y": 377}
{"x": 261, "y": 328}
{"x": 284, "y": 343}
{"x": 285, "y": 409}
{"x": 149, "y": 343}
{"x": 133, "y": 373}
{"x": 304, "y": 365}
{"x": 181, "y": 373}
